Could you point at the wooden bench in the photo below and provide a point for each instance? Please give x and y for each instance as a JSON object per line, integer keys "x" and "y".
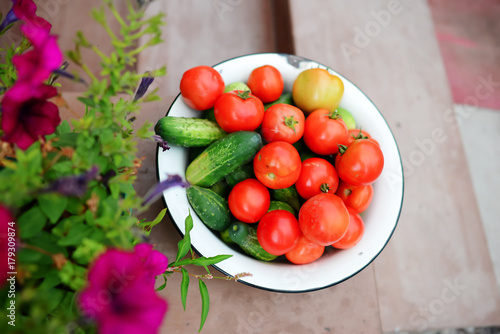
{"x": 436, "y": 271}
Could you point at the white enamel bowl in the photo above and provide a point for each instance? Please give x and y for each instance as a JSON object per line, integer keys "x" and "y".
{"x": 334, "y": 266}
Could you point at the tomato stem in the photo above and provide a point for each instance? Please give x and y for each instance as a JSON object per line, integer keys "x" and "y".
{"x": 324, "y": 188}
{"x": 334, "y": 114}
{"x": 360, "y": 135}
{"x": 290, "y": 122}
{"x": 243, "y": 94}
{"x": 342, "y": 148}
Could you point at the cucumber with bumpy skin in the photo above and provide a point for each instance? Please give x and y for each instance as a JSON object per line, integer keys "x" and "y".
{"x": 246, "y": 237}
{"x": 288, "y": 195}
{"x": 188, "y": 132}
{"x": 286, "y": 98}
{"x": 277, "y": 205}
{"x": 223, "y": 157}
{"x": 211, "y": 208}
{"x": 243, "y": 173}
{"x": 224, "y": 235}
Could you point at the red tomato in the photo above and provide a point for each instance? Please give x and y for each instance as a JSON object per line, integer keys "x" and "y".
{"x": 305, "y": 252}
{"x": 278, "y": 232}
{"x": 354, "y": 232}
{"x": 356, "y": 197}
{"x": 283, "y": 122}
{"x": 361, "y": 162}
{"x": 277, "y": 165}
{"x": 201, "y": 86}
{"x": 324, "y": 219}
{"x": 354, "y": 134}
{"x": 324, "y": 131}
{"x": 249, "y": 200}
{"x": 316, "y": 176}
{"x": 266, "y": 83}
{"x": 238, "y": 111}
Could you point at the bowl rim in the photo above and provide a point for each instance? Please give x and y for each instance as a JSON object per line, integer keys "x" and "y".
{"x": 291, "y": 59}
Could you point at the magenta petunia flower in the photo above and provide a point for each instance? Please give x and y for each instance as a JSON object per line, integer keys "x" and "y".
{"x": 120, "y": 296}
{"x": 26, "y": 114}
{"x": 25, "y": 10}
{"x": 154, "y": 262}
{"x": 5, "y": 219}
{"x": 37, "y": 64}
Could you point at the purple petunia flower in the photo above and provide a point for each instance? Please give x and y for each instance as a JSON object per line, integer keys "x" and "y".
{"x": 143, "y": 87}
{"x": 157, "y": 191}
{"x": 155, "y": 263}
{"x": 73, "y": 185}
{"x": 25, "y": 10}
{"x": 119, "y": 295}
{"x": 37, "y": 65}
{"x": 8, "y": 19}
{"x": 26, "y": 114}
{"x": 163, "y": 143}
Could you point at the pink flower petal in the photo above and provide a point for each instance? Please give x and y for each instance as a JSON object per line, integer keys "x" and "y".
{"x": 26, "y": 10}
{"x": 26, "y": 113}
{"x": 119, "y": 297}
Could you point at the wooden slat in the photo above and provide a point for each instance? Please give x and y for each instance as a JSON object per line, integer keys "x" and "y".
{"x": 436, "y": 271}
{"x": 68, "y": 17}
{"x": 195, "y": 34}
{"x": 206, "y": 33}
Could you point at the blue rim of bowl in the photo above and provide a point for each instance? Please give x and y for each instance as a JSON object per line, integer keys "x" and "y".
{"x": 290, "y": 57}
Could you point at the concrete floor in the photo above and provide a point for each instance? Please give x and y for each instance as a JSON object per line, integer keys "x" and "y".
{"x": 480, "y": 132}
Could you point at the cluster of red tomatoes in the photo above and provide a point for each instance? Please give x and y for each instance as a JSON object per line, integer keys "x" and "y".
{"x": 335, "y": 185}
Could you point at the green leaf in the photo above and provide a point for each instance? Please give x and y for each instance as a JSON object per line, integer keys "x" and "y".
{"x": 51, "y": 280}
{"x": 48, "y": 241}
{"x": 31, "y": 222}
{"x": 56, "y": 297}
{"x": 53, "y": 205}
{"x": 73, "y": 275}
{"x": 185, "y": 244}
{"x": 148, "y": 226}
{"x": 64, "y": 127}
{"x": 25, "y": 256}
{"x": 184, "y": 287}
{"x": 66, "y": 139}
{"x": 88, "y": 250}
{"x": 205, "y": 302}
{"x": 201, "y": 261}
{"x": 164, "y": 285}
{"x": 76, "y": 234}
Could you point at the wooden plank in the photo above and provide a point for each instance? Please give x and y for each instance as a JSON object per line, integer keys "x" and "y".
{"x": 68, "y": 17}
{"x": 436, "y": 271}
{"x": 199, "y": 33}
{"x": 206, "y": 33}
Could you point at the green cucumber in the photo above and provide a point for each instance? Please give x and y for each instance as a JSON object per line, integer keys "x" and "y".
{"x": 236, "y": 86}
{"x": 243, "y": 173}
{"x": 224, "y": 235}
{"x": 211, "y": 208}
{"x": 193, "y": 152}
{"x": 210, "y": 115}
{"x": 246, "y": 237}
{"x": 277, "y": 205}
{"x": 288, "y": 195}
{"x": 188, "y": 132}
{"x": 220, "y": 188}
{"x": 307, "y": 153}
{"x": 284, "y": 98}
{"x": 223, "y": 157}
